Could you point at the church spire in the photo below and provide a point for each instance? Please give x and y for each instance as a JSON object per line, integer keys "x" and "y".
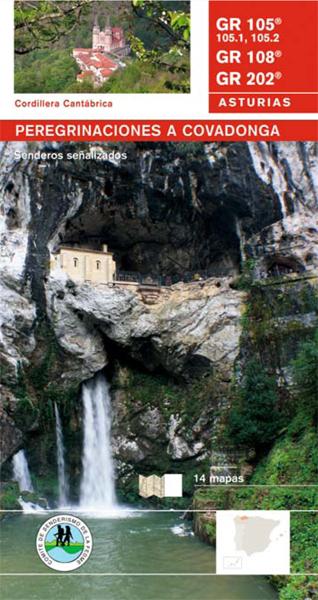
{"x": 95, "y": 18}
{"x": 96, "y": 32}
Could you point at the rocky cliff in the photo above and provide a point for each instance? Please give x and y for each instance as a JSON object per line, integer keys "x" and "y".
{"x": 228, "y": 211}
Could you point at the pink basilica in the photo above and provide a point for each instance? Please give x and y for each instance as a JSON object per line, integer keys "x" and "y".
{"x": 110, "y": 39}
{"x": 98, "y": 63}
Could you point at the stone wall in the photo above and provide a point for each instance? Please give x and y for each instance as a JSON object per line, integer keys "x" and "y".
{"x": 85, "y": 265}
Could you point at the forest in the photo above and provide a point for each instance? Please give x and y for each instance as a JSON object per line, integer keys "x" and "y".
{"x": 158, "y": 34}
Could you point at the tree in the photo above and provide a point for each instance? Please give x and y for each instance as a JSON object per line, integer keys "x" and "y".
{"x": 51, "y": 76}
{"x": 305, "y": 371}
{"x": 175, "y": 27}
{"x": 40, "y": 23}
{"x": 46, "y": 29}
{"x": 254, "y": 419}
{"x": 175, "y": 23}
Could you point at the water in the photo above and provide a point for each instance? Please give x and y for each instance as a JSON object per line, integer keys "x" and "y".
{"x": 97, "y": 485}
{"x": 21, "y": 472}
{"x": 30, "y": 507}
{"x": 61, "y": 556}
{"x": 143, "y": 544}
{"x": 240, "y": 235}
{"x": 62, "y": 478}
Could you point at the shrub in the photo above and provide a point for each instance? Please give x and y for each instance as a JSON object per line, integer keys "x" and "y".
{"x": 305, "y": 371}
{"x": 255, "y": 419}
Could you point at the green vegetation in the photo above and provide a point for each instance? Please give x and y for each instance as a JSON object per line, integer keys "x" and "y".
{"x": 40, "y": 23}
{"x": 273, "y": 322}
{"x": 294, "y": 457}
{"x": 176, "y": 26}
{"x": 293, "y": 460}
{"x": 257, "y": 498}
{"x": 279, "y": 421}
{"x": 304, "y": 559}
{"x": 274, "y": 331}
{"x": 35, "y": 387}
{"x": 39, "y": 75}
{"x": 246, "y": 279}
{"x": 297, "y": 588}
{"x": 186, "y": 400}
{"x": 305, "y": 369}
{"x": 46, "y": 483}
{"x": 254, "y": 419}
{"x": 304, "y": 543}
{"x": 73, "y": 548}
{"x": 45, "y": 37}
{"x": 139, "y": 77}
{"x": 9, "y": 495}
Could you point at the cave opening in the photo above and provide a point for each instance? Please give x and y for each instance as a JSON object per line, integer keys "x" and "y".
{"x": 283, "y": 265}
{"x": 210, "y": 248}
{"x": 182, "y": 219}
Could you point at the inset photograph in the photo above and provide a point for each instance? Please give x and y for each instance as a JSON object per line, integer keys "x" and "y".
{"x": 103, "y": 46}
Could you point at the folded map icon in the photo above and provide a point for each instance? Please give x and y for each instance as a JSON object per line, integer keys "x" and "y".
{"x": 167, "y": 486}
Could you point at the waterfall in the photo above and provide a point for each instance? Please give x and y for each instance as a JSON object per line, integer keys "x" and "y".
{"x": 21, "y": 472}
{"x": 62, "y": 479}
{"x": 240, "y": 235}
{"x": 97, "y": 485}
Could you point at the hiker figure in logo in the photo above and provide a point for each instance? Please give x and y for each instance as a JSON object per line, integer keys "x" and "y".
{"x": 68, "y": 535}
{"x": 59, "y": 535}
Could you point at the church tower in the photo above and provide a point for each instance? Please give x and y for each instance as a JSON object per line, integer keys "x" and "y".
{"x": 96, "y": 34}
{"x": 108, "y": 36}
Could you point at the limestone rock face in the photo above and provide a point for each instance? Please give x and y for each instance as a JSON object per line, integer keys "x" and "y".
{"x": 291, "y": 243}
{"x": 166, "y": 210}
{"x": 17, "y": 317}
{"x": 179, "y": 448}
{"x": 10, "y": 435}
{"x": 80, "y": 340}
{"x": 191, "y": 329}
{"x": 291, "y": 169}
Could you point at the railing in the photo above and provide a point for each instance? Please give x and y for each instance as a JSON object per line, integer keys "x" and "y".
{"x": 140, "y": 278}
{"x": 163, "y": 280}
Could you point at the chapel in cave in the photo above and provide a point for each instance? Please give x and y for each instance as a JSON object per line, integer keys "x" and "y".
{"x": 84, "y": 265}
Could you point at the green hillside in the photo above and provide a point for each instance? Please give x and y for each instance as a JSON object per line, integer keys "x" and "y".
{"x": 157, "y": 62}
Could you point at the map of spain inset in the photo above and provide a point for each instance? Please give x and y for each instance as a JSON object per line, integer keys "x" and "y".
{"x": 253, "y": 542}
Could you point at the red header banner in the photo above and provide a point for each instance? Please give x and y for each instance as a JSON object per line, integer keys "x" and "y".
{"x": 165, "y": 131}
{"x": 263, "y": 56}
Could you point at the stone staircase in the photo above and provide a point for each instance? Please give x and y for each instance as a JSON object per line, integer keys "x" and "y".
{"x": 149, "y": 293}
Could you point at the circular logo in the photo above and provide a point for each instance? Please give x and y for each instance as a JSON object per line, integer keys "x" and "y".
{"x": 64, "y": 543}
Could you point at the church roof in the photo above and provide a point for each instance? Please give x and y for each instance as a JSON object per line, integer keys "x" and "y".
{"x": 94, "y": 58}
{"x": 82, "y": 250}
{"x": 96, "y": 61}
